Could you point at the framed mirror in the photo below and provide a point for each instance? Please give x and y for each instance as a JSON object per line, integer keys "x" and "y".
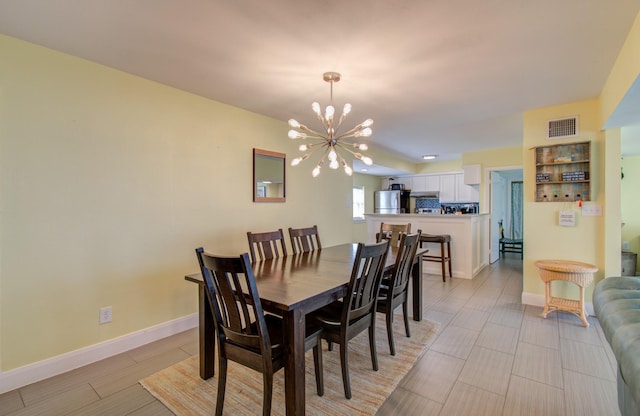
{"x": 268, "y": 176}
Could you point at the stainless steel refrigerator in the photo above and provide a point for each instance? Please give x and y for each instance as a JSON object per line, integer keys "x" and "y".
{"x": 391, "y": 202}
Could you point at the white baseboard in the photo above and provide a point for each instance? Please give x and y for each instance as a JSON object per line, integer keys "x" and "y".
{"x": 22, "y": 376}
{"x": 536, "y": 299}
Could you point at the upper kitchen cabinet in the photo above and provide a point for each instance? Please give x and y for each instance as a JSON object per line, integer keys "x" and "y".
{"x": 562, "y": 172}
{"x": 425, "y": 183}
{"x": 448, "y": 188}
{"x": 453, "y": 189}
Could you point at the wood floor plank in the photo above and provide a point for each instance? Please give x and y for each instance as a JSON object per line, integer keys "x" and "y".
{"x": 539, "y": 364}
{"x": 455, "y": 341}
{"x": 488, "y": 369}
{"x": 61, "y": 404}
{"x": 433, "y": 376}
{"x": 466, "y": 400}
{"x": 587, "y": 359}
{"x": 530, "y": 398}
{"x": 589, "y": 396}
{"x": 112, "y": 383}
{"x": 121, "y": 403}
{"x": 400, "y": 402}
{"x": 470, "y": 319}
{"x": 499, "y": 337}
{"x": 10, "y": 402}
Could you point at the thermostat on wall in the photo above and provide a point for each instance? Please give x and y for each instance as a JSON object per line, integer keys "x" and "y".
{"x": 567, "y": 218}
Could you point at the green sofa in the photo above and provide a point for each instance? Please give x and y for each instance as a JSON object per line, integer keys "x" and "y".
{"x": 616, "y": 301}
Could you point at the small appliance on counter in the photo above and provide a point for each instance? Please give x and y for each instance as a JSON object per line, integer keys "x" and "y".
{"x": 428, "y": 210}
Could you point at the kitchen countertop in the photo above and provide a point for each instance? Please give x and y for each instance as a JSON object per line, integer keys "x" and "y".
{"x": 430, "y": 215}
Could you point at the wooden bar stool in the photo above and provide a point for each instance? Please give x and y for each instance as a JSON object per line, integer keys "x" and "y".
{"x": 444, "y": 257}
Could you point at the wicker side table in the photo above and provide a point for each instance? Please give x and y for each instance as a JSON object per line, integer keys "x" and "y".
{"x": 570, "y": 271}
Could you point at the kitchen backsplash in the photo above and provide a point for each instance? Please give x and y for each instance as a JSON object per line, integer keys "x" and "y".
{"x": 435, "y": 203}
{"x": 427, "y": 203}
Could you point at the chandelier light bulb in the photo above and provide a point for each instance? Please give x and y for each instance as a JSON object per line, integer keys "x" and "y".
{"x": 363, "y": 133}
{"x": 328, "y": 139}
{"x": 296, "y": 135}
{"x": 316, "y": 108}
{"x": 329, "y": 112}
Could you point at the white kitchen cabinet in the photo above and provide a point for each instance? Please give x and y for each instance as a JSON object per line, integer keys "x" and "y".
{"x": 425, "y": 183}
{"x": 466, "y": 193}
{"x": 448, "y": 188}
{"x": 453, "y": 189}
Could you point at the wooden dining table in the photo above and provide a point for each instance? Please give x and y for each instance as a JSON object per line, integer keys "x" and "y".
{"x": 291, "y": 287}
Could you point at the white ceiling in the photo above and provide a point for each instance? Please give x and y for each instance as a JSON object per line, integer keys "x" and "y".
{"x": 440, "y": 77}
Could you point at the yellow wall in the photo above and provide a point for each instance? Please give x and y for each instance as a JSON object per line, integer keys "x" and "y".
{"x": 109, "y": 182}
{"x": 543, "y": 237}
{"x": 494, "y": 158}
{"x": 630, "y": 201}
{"x": 371, "y": 184}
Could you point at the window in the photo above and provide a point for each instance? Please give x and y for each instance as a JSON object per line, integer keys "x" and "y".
{"x": 358, "y": 203}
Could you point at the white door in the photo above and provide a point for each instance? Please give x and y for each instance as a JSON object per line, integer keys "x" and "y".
{"x": 498, "y": 212}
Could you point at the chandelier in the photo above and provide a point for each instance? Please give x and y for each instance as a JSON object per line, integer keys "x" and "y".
{"x": 330, "y": 141}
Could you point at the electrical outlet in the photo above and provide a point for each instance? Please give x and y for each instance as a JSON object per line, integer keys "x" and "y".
{"x": 625, "y": 245}
{"x": 105, "y": 315}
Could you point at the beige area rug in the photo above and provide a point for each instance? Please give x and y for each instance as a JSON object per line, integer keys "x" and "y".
{"x": 182, "y": 390}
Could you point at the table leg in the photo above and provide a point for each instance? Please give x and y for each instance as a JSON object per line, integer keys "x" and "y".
{"x": 416, "y": 286}
{"x": 207, "y": 337}
{"x": 294, "y": 369}
{"x": 547, "y": 299}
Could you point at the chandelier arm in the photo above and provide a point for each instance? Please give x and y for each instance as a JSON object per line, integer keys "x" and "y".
{"x": 342, "y": 146}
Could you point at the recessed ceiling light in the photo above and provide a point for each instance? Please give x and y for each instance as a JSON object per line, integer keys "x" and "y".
{"x": 429, "y": 157}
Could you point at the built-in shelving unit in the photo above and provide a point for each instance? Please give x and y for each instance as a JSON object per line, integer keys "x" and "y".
{"x": 563, "y": 172}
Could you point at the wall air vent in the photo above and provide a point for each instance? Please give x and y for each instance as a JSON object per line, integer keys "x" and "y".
{"x": 562, "y": 127}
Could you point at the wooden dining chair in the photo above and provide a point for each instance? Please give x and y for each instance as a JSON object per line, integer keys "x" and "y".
{"x": 266, "y": 244}
{"x": 344, "y": 319}
{"x": 394, "y": 291}
{"x": 392, "y": 233}
{"x": 304, "y": 240}
{"x": 245, "y": 333}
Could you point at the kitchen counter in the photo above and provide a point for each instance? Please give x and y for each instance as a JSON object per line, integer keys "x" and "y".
{"x": 469, "y": 238}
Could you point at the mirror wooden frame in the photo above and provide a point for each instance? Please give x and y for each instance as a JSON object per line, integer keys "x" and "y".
{"x": 261, "y": 191}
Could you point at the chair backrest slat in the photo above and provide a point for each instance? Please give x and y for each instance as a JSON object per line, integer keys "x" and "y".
{"x": 392, "y": 232}
{"x": 365, "y": 280}
{"x": 231, "y": 288}
{"x": 304, "y": 240}
{"x": 404, "y": 261}
{"x": 266, "y": 244}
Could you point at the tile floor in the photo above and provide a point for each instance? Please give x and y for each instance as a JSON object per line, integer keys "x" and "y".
{"x": 492, "y": 356}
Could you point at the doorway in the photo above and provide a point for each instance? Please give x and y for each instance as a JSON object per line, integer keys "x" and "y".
{"x": 505, "y": 187}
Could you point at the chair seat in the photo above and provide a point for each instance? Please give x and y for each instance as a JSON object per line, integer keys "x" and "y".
{"x": 433, "y": 238}
{"x": 511, "y": 240}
